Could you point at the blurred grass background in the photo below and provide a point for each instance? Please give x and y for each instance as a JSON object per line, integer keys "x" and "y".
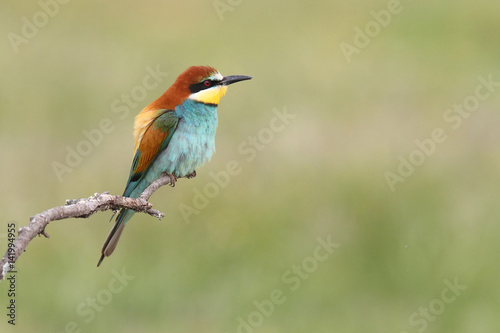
{"x": 322, "y": 175}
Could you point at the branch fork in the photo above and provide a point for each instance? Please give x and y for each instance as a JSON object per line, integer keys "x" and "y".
{"x": 79, "y": 208}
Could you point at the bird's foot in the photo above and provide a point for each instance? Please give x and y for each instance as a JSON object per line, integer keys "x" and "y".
{"x": 191, "y": 175}
{"x": 173, "y": 179}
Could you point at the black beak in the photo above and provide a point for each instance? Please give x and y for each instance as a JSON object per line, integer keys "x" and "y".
{"x": 227, "y": 80}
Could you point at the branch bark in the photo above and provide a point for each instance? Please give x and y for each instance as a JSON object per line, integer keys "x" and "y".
{"x": 78, "y": 208}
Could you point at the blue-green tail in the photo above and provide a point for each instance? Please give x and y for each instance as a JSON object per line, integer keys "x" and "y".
{"x": 136, "y": 184}
{"x": 114, "y": 235}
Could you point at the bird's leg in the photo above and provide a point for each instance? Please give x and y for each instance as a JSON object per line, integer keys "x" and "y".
{"x": 191, "y": 175}
{"x": 173, "y": 179}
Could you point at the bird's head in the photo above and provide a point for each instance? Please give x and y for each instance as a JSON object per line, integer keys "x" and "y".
{"x": 206, "y": 84}
{"x": 200, "y": 83}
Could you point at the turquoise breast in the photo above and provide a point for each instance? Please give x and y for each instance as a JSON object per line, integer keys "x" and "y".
{"x": 192, "y": 144}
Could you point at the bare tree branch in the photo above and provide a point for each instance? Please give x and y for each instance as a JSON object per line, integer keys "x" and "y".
{"x": 79, "y": 208}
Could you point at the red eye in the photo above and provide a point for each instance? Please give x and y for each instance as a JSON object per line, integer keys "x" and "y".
{"x": 207, "y": 83}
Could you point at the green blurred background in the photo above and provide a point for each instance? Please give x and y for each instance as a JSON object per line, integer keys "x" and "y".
{"x": 322, "y": 175}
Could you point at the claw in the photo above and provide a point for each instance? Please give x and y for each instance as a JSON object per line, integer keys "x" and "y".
{"x": 173, "y": 179}
{"x": 191, "y": 175}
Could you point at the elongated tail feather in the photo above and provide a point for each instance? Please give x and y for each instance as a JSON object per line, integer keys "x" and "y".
{"x": 115, "y": 233}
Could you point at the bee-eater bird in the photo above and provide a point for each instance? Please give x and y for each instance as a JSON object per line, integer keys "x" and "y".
{"x": 173, "y": 135}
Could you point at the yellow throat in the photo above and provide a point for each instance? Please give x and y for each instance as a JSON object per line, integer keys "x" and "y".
{"x": 209, "y": 96}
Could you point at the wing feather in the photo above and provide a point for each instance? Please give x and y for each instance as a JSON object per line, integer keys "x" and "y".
{"x": 150, "y": 141}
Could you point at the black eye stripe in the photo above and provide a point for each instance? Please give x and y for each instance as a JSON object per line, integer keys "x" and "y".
{"x": 205, "y": 84}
